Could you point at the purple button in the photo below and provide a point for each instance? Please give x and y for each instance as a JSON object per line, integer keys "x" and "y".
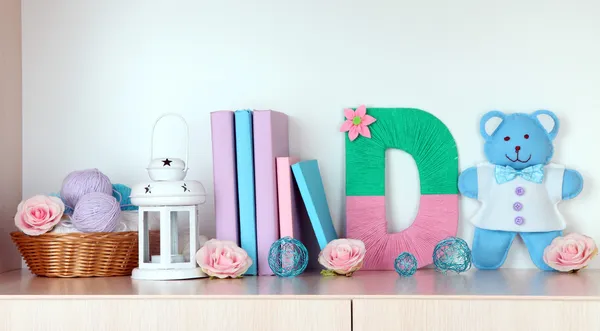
{"x": 520, "y": 191}
{"x": 519, "y": 220}
{"x": 517, "y": 206}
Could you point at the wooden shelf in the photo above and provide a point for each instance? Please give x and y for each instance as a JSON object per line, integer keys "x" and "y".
{"x": 518, "y": 300}
{"x": 505, "y": 283}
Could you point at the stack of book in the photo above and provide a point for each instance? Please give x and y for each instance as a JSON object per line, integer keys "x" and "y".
{"x": 256, "y": 185}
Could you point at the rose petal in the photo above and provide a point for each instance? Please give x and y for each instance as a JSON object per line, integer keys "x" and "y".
{"x": 223, "y": 259}
{"x": 343, "y": 256}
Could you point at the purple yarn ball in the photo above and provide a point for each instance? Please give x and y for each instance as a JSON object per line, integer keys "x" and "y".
{"x": 79, "y": 183}
{"x": 96, "y": 212}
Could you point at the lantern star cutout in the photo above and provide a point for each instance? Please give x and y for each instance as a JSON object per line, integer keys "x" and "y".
{"x": 356, "y": 123}
{"x": 167, "y": 162}
{"x": 147, "y": 188}
{"x": 185, "y": 189}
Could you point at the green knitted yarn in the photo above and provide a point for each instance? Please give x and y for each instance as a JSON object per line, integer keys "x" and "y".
{"x": 414, "y": 131}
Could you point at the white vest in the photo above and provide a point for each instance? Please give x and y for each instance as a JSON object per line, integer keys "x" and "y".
{"x": 519, "y": 205}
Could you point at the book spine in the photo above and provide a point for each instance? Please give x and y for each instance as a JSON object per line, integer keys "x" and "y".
{"x": 270, "y": 142}
{"x": 224, "y": 175}
{"x": 246, "y": 187}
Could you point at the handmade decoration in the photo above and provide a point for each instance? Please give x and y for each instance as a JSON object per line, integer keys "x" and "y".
{"x": 432, "y": 146}
{"x": 223, "y": 259}
{"x": 168, "y": 194}
{"x": 66, "y": 251}
{"x": 357, "y": 123}
{"x": 570, "y": 253}
{"x": 342, "y": 257}
{"x": 452, "y": 254}
{"x": 288, "y": 257}
{"x": 405, "y": 264}
{"x": 518, "y": 187}
{"x": 39, "y": 214}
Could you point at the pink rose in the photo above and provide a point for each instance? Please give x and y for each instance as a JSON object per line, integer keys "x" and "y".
{"x": 39, "y": 214}
{"x": 570, "y": 253}
{"x": 343, "y": 256}
{"x": 222, "y": 259}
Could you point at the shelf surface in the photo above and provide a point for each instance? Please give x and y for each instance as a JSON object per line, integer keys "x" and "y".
{"x": 504, "y": 283}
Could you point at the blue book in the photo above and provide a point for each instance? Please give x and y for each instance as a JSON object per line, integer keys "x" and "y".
{"x": 309, "y": 181}
{"x": 245, "y": 180}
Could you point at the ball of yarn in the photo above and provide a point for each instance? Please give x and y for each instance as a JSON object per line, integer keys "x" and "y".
{"x": 96, "y": 212}
{"x": 452, "y": 254}
{"x": 79, "y": 183}
{"x": 405, "y": 264}
{"x": 64, "y": 226}
{"x": 288, "y": 257}
{"x": 121, "y": 193}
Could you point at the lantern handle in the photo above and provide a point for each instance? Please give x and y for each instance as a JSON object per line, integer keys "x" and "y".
{"x": 187, "y": 138}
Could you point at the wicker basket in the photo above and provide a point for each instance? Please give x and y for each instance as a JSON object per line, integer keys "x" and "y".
{"x": 79, "y": 254}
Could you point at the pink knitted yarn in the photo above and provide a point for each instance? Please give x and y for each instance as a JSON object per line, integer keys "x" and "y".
{"x": 437, "y": 219}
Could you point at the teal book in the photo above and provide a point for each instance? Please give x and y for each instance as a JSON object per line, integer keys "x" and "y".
{"x": 245, "y": 180}
{"x": 308, "y": 178}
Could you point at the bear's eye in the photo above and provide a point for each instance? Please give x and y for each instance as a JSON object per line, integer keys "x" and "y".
{"x": 507, "y": 138}
{"x": 526, "y": 136}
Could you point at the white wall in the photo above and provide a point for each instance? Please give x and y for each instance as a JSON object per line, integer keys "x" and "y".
{"x": 97, "y": 73}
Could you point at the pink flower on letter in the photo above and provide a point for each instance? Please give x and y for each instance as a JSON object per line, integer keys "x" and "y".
{"x": 39, "y": 214}
{"x": 570, "y": 253}
{"x": 342, "y": 256}
{"x": 357, "y": 122}
{"x": 222, "y": 259}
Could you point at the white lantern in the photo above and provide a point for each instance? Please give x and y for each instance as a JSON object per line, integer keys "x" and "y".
{"x": 169, "y": 195}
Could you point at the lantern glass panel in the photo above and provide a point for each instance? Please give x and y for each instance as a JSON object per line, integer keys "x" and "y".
{"x": 150, "y": 238}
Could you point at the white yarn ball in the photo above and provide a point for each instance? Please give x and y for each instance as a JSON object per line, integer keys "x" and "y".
{"x": 65, "y": 226}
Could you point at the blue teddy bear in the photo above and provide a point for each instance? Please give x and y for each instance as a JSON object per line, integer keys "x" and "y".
{"x": 519, "y": 189}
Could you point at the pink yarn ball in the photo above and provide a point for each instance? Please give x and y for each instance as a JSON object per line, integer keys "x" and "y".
{"x": 96, "y": 212}
{"x": 79, "y": 183}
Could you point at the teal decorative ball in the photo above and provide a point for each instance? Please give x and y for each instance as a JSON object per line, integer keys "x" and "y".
{"x": 288, "y": 257}
{"x": 452, "y": 254}
{"x": 405, "y": 264}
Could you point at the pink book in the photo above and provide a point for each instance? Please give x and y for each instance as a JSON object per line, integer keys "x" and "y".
{"x": 289, "y": 225}
{"x": 270, "y": 141}
{"x": 225, "y": 175}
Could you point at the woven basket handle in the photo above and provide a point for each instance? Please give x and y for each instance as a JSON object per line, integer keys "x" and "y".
{"x": 187, "y": 137}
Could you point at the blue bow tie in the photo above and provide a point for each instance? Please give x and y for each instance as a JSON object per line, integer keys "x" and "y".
{"x": 507, "y": 173}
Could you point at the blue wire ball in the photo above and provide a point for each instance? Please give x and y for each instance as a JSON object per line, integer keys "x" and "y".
{"x": 405, "y": 264}
{"x": 121, "y": 193}
{"x": 288, "y": 257}
{"x": 452, "y": 254}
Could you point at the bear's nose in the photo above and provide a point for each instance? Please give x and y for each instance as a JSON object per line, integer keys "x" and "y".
{"x": 517, "y": 148}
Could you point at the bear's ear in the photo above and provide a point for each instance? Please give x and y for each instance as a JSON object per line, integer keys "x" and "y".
{"x": 551, "y": 133}
{"x": 485, "y": 119}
